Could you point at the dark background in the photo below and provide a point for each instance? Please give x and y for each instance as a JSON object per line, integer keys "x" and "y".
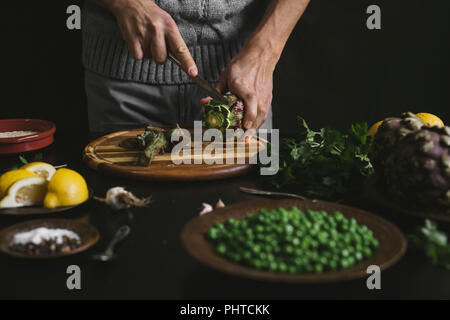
{"x": 334, "y": 71}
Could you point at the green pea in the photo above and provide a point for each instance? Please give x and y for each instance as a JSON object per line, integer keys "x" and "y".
{"x": 246, "y": 255}
{"x": 351, "y": 261}
{"x": 213, "y": 233}
{"x": 257, "y": 264}
{"x": 298, "y": 252}
{"x": 323, "y": 237}
{"x": 273, "y": 266}
{"x": 367, "y": 252}
{"x": 221, "y": 248}
{"x": 333, "y": 265}
{"x": 288, "y": 249}
{"x": 256, "y": 249}
{"x": 289, "y": 228}
{"x": 318, "y": 268}
{"x": 375, "y": 243}
{"x": 323, "y": 260}
{"x": 292, "y": 269}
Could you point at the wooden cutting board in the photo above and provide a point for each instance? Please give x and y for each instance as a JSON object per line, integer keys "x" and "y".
{"x": 107, "y": 156}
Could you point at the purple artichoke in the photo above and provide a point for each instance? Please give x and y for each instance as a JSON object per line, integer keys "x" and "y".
{"x": 418, "y": 169}
{"x": 391, "y": 131}
{"x": 220, "y": 116}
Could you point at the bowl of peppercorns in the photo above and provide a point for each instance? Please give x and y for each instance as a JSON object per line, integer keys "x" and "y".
{"x": 47, "y": 238}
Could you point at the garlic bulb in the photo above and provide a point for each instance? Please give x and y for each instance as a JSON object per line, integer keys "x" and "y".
{"x": 118, "y": 198}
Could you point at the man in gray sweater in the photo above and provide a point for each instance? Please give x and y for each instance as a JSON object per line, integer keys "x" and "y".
{"x": 234, "y": 44}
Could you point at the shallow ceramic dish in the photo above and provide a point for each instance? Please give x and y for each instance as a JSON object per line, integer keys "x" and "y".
{"x": 44, "y": 136}
{"x": 89, "y": 236}
{"x": 392, "y": 247}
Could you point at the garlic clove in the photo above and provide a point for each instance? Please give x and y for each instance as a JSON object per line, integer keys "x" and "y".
{"x": 220, "y": 204}
{"x": 206, "y": 208}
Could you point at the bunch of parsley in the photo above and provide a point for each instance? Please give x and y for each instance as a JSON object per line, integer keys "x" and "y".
{"x": 433, "y": 243}
{"x": 326, "y": 164}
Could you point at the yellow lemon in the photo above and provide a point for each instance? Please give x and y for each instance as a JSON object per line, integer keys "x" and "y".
{"x": 430, "y": 119}
{"x": 374, "y": 128}
{"x": 25, "y": 192}
{"x": 66, "y": 188}
{"x": 42, "y": 169}
{"x": 8, "y": 178}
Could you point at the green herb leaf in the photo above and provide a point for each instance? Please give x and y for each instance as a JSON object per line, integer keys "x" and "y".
{"x": 23, "y": 159}
{"x": 433, "y": 243}
{"x": 325, "y": 163}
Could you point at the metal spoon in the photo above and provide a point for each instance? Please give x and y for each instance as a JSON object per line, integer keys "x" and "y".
{"x": 276, "y": 194}
{"x": 120, "y": 234}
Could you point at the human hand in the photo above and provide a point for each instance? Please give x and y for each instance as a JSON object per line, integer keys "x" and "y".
{"x": 249, "y": 75}
{"x": 150, "y": 32}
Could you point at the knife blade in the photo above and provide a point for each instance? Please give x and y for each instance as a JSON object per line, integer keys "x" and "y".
{"x": 202, "y": 83}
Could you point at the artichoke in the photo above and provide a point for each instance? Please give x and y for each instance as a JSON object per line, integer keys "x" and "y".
{"x": 155, "y": 140}
{"x": 153, "y": 143}
{"x": 418, "y": 169}
{"x": 391, "y": 131}
{"x": 220, "y": 116}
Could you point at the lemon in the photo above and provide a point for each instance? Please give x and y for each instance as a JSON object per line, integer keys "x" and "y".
{"x": 430, "y": 119}
{"x": 66, "y": 188}
{"x": 374, "y": 128}
{"x": 42, "y": 169}
{"x": 25, "y": 192}
{"x": 8, "y": 178}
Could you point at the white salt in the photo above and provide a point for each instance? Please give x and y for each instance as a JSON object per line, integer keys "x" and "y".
{"x": 36, "y": 236}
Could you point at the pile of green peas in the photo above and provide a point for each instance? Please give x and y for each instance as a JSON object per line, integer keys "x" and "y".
{"x": 293, "y": 241}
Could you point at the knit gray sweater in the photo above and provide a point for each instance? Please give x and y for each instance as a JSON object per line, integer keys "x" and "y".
{"x": 214, "y": 31}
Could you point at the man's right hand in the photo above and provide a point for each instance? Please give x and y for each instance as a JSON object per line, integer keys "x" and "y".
{"x": 150, "y": 31}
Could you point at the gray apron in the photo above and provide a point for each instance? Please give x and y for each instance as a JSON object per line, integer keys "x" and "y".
{"x": 119, "y": 105}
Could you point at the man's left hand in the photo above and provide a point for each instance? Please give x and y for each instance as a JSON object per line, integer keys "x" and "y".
{"x": 249, "y": 75}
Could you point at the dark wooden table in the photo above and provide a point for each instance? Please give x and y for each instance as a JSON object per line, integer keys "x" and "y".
{"x": 152, "y": 263}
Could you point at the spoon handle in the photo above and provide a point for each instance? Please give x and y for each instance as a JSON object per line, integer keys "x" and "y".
{"x": 120, "y": 234}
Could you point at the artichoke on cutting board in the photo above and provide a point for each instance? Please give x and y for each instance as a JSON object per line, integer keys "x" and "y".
{"x": 153, "y": 141}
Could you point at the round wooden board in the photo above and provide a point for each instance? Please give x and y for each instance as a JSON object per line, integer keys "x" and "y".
{"x": 392, "y": 247}
{"x": 105, "y": 155}
{"x": 89, "y": 236}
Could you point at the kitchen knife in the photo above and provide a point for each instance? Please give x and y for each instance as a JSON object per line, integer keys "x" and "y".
{"x": 202, "y": 83}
